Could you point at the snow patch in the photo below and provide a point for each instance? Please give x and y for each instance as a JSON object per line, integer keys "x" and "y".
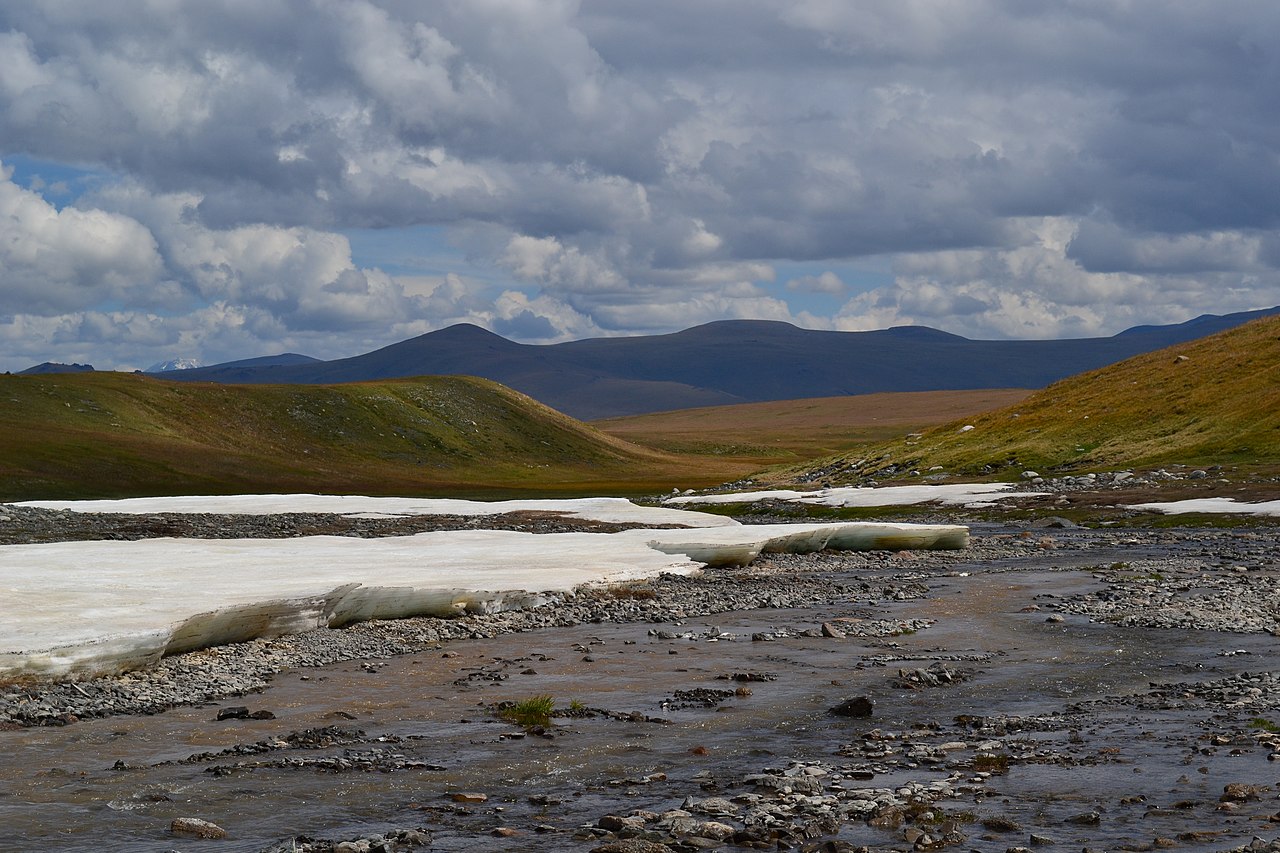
{"x": 611, "y": 510}
{"x": 949, "y": 494}
{"x": 1213, "y": 505}
{"x": 89, "y": 608}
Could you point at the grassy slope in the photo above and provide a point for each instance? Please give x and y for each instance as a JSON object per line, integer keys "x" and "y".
{"x": 777, "y": 432}
{"x": 109, "y": 434}
{"x": 1219, "y": 404}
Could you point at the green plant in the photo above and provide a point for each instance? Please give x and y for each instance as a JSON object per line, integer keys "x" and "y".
{"x": 1264, "y": 724}
{"x": 527, "y": 713}
{"x": 576, "y": 706}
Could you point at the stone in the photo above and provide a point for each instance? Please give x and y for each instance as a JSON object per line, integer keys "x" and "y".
{"x": 831, "y": 631}
{"x": 859, "y": 706}
{"x": 1086, "y": 819}
{"x": 1000, "y": 823}
{"x": 1239, "y": 792}
{"x": 197, "y": 827}
{"x": 631, "y": 845}
{"x": 469, "y": 797}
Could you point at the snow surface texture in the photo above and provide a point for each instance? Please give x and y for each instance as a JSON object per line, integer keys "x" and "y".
{"x": 85, "y": 608}
{"x": 951, "y": 494}
{"x": 1213, "y": 505}
{"x": 613, "y": 510}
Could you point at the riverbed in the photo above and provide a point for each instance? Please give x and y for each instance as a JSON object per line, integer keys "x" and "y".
{"x": 696, "y": 713}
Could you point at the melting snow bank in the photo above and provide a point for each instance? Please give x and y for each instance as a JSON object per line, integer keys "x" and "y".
{"x": 1213, "y": 505}
{"x": 612, "y": 510}
{"x": 91, "y": 608}
{"x": 950, "y": 494}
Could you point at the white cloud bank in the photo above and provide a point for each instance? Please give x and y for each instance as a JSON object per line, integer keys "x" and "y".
{"x": 611, "y": 167}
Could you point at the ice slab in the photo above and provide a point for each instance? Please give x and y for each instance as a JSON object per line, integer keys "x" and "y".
{"x": 88, "y": 608}
{"x": 950, "y": 494}
{"x": 613, "y": 510}
{"x": 1214, "y": 505}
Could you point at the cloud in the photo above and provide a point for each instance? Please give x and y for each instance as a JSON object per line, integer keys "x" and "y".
{"x": 827, "y": 282}
{"x": 638, "y": 167}
{"x": 54, "y": 260}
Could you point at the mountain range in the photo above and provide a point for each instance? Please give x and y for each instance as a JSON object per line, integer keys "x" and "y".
{"x": 720, "y": 363}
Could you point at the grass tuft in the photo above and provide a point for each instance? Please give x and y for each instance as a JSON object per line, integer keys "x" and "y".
{"x": 528, "y": 713}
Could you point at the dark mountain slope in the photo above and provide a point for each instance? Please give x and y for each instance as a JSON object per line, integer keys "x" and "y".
{"x": 731, "y": 361}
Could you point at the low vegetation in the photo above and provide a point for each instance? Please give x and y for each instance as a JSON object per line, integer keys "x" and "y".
{"x": 116, "y": 435}
{"x": 528, "y": 713}
{"x": 1211, "y": 401}
{"x": 777, "y": 432}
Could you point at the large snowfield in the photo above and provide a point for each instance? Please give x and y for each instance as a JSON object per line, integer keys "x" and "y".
{"x": 103, "y": 606}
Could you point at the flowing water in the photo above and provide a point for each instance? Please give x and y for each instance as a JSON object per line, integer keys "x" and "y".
{"x": 106, "y": 785}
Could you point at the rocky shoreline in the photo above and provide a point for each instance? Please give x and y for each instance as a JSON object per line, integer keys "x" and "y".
{"x": 903, "y": 780}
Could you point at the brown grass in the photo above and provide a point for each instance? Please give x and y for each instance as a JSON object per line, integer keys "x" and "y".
{"x": 783, "y": 431}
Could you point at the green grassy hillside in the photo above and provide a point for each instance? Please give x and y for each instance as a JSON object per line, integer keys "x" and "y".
{"x": 110, "y": 434}
{"x": 1211, "y": 401}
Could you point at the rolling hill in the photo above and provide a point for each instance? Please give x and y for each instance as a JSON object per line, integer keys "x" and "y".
{"x": 726, "y": 362}
{"x": 112, "y": 435}
{"x": 774, "y": 432}
{"x": 1211, "y": 401}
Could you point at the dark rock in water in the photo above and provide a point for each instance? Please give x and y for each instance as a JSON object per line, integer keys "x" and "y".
{"x": 631, "y": 845}
{"x": 1239, "y": 792}
{"x": 197, "y": 827}
{"x": 860, "y": 706}
{"x": 1086, "y": 819}
{"x": 1054, "y": 521}
{"x": 240, "y": 712}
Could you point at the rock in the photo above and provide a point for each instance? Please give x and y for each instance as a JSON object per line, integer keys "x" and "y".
{"x": 631, "y": 845}
{"x": 469, "y": 797}
{"x": 505, "y": 832}
{"x": 235, "y": 712}
{"x": 1040, "y": 840}
{"x": 197, "y": 827}
{"x": 1239, "y": 792}
{"x": 1085, "y": 819}
{"x": 1055, "y": 521}
{"x": 831, "y": 631}
{"x": 859, "y": 706}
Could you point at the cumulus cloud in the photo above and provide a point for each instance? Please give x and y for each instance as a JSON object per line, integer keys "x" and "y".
{"x": 637, "y": 167}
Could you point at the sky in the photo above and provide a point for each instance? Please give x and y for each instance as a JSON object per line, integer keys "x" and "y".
{"x": 223, "y": 179}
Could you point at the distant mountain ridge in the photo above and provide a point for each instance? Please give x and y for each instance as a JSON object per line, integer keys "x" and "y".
{"x": 56, "y": 367}
{"x": 728, "y": 361}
